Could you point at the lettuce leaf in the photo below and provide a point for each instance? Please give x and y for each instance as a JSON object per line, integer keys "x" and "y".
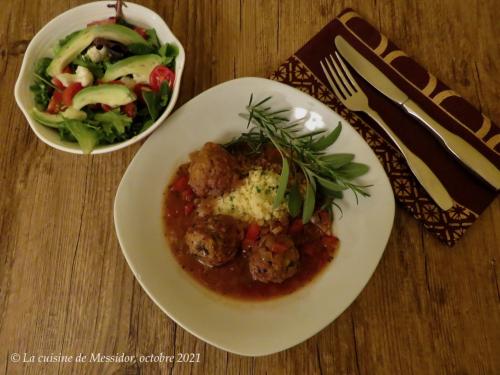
{"x": 86, "y": 136}
{"x": 40, "y": 88}
{"x": 112, "y": 126}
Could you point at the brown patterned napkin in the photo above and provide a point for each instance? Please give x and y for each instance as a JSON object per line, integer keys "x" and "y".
{"x": 472, "y": 196}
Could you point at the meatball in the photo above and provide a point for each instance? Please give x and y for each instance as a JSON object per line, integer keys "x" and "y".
{"x": 214, "y": 240}
{"x": 274, "y": 259}
{"x": 213, "y": 170}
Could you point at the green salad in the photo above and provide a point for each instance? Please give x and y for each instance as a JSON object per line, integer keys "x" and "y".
{"x": 104, "y": 84}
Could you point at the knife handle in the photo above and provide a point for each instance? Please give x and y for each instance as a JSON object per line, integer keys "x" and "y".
{"x": 463, "y": 151}
{"x": 422, "y": 172}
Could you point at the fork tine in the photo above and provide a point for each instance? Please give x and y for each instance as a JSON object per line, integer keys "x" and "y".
{"x": 341, "y": 74}
{"x": 332, "y": 83}
{"x": 337, "y": 80}
{"x": 351, "y": 79}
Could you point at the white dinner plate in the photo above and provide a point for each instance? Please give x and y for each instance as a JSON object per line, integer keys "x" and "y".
{"x": 250, "y": 328}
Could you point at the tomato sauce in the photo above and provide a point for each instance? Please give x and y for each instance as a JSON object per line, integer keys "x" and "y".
{"x": 233, "y": 279}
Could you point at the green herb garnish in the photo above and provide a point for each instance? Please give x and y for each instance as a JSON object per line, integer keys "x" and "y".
{"x": 304, "y": 160}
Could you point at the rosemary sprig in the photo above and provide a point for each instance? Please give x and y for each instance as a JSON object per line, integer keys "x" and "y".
{"x": 326, "y": 176}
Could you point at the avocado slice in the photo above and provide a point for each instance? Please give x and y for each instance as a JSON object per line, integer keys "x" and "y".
{"x": 139, "y": 66}
{"x": 83, "y": 38}
{"x": 53, "y": 120}
{"x": 110, "y": 94}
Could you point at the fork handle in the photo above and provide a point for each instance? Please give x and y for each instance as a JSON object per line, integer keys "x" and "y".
{"x": 422, "y": 172}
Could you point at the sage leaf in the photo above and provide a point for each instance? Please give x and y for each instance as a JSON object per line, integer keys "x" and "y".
{"x": 282, "y": 184}
{"x": 336, "y": 161}
{"x": 330, "y": 185}
{"x": 309, "y": 202}
{"x": 327, "y": 141}
{"x": 294, "y": 201}
{"x": 353, "y": 170}
{"x": 331, "y": 194}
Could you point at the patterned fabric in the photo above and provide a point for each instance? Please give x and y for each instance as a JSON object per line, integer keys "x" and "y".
{"x": 462, "y": 117}
{"x": 449, "y": 225}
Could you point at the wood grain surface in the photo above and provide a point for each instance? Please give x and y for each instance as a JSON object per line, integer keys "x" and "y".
{"x": 66, "y": 288}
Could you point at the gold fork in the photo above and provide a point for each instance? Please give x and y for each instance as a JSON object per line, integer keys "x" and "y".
{"x": 350, "y": 94}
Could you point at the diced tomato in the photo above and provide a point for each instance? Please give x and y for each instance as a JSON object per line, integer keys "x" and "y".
{"x": 181, "y": 184}
{"x": 330, "y": 243}
{"x": 130, "y": 109}
{"x": 141, "y": 31}
{"x": 55, "y": 102}
{"x": 57, "y": 83}
{"x": 253, "y": 232}
{"x": 158, "y": 75}
{"x": 279, "y": 247}
{"x": 188, "y": 208}
{"x": 187, "y": 194}
{"x": 105, "y": 21}
{"x": 296, "y": 227}
{"x": 69, "y": 92}
{"x": 67, "y": 69}
{"x": 106, "y": 108}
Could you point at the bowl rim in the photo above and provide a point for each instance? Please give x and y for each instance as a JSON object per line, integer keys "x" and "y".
{"x": 34, "y": 125}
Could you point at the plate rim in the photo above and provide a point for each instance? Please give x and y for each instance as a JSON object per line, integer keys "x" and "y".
{"x": 193, "y": 331}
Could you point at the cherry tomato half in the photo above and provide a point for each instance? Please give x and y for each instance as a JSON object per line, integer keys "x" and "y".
{"x": 141, "y": 31}
{"x": 69, "y": 92}
{"x": 130, "y": 109}
{"x": 57, "y": 83}
{"x": 158, "y": 75}
{"x": 106, "y": 108}
{"x": 55, "y": 102}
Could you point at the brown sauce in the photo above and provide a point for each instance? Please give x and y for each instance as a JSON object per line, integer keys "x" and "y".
{"x": 234, "y": 279}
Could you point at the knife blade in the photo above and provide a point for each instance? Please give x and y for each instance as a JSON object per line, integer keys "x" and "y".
{"x": 462, "y": 150}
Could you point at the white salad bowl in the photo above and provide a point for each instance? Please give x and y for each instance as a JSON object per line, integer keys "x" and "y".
{"x": 67, "y": 22}
{"x": 242, "y": 326}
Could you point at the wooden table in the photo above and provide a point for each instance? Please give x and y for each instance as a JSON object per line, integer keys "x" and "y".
{"x": 65, "y": 286}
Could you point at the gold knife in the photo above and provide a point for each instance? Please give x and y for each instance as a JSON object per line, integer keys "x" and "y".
{"x": 464, "y": 152}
